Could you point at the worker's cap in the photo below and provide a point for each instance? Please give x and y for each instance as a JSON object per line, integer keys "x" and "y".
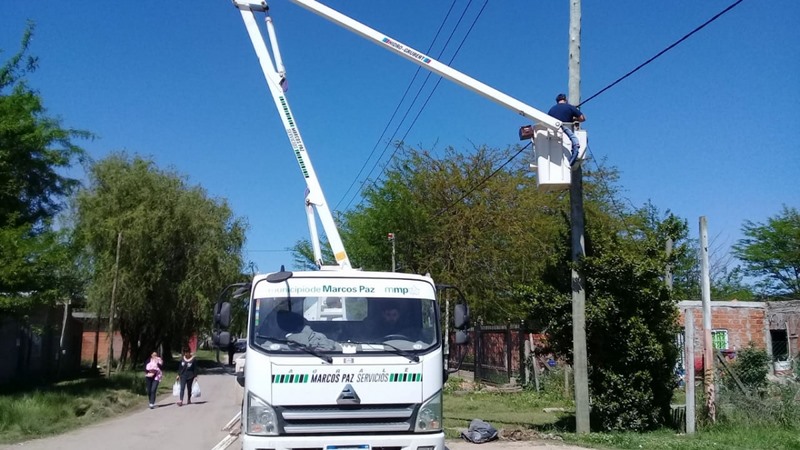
{"x": 560, "y": 97}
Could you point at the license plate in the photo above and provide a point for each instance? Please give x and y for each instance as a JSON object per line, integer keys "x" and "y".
{"x": 347, "y": 447}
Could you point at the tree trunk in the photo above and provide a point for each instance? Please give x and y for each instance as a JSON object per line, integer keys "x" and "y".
{"x": 123, "y": 356}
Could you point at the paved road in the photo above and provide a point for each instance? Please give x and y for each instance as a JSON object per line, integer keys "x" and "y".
{"x": 195, "y": 426}
{"x": 198, "y": 426}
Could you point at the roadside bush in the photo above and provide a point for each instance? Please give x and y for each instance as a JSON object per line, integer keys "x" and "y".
{"x": 752, "y": 367}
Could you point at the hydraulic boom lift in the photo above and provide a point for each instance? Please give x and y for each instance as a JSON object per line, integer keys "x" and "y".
{"x": 275, "y": 75}
{"x": 551, "y": 146}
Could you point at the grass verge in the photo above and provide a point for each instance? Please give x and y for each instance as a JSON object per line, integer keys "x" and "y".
{"x": 29, "y": 412}
{"x": 521, "y": 416}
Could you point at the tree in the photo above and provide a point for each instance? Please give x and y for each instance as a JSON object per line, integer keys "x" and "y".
{"x": 771, "y": 252}
{"x": 479, "y": 222}
{"x": 35, "y": 262}
{"x": 631, "y": 318}
{"x": 476, "y": 221}
{"x": 179, "y": 249}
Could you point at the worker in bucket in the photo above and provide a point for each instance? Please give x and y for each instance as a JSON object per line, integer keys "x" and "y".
{"x": 568, "y": 114}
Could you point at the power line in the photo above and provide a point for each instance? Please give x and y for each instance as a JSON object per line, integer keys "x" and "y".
{"x": 408, "y": 110}
{"x": 712, "y": 19}
{"x": 397, "y": 108}
{"x": 717, "y": 16}
{"x": 417, "y": 95}
{"x": 452, "y": 58}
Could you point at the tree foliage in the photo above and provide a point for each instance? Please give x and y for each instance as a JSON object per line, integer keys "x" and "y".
{"x": 457, "y": 219}
{"x": 771, "y": 252}
{"x": 179, "y": 249}
{"x": 631, "y": 318}
{"x": 479, "y": 221}
{"x": 35, "y": 261}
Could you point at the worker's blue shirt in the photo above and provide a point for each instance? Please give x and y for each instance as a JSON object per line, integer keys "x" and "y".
{"x": 564, "y": 112}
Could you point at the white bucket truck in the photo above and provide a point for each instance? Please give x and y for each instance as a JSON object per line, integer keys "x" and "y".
{"x": 340, "y": 360}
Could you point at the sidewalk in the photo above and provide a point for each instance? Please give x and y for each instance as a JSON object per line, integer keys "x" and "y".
{"x": 195, "y": 426}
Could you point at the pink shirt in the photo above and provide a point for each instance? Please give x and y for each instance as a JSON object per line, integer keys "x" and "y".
{"x": 153, "y": 370}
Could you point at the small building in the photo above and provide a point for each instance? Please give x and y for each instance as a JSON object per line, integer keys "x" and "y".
{"x": 772, "y": 326}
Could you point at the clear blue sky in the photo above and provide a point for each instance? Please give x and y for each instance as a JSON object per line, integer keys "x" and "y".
{"x": 710, "y": 128}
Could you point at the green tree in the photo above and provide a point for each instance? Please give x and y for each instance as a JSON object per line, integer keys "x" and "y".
{"x": 179, "y": 249}
{"x": 771, "y": 252}
{"x": 631, "y": 318}
{"x": 473, "y": 220}
{"x": 35, "y": 261}
{"x": 478, "y": 221}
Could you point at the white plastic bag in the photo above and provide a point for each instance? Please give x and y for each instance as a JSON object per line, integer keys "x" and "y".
{"x": 195, "y": 389}
{"x": 176, "y": 389}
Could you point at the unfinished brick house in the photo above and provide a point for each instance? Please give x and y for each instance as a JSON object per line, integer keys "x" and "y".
{"x": 773, "y": 326}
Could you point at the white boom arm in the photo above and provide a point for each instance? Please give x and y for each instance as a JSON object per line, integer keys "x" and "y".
{"x": 430, "y": 64}
{"x": 275, "y": 75}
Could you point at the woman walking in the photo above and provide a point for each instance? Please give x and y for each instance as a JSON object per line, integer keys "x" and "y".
{"x": 187, "y": 371}
{"x": 152, "y": 377}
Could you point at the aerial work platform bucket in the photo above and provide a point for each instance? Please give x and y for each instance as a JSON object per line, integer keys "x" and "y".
{"x": 552, "y": 151}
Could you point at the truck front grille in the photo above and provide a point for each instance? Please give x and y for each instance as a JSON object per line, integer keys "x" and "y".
{"x": 300, "y": 420}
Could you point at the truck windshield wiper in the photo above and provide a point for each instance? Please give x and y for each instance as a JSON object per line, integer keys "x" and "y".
{"x": 298, "y": 345}
{"x": 397, "y": 351}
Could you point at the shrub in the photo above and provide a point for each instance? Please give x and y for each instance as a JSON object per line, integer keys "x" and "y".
{"x": 752, "y": 366}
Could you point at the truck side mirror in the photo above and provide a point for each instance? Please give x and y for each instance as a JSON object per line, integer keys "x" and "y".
{"x": 461, "y": 316}
{"x": 461, "y": 337}
{"x": 221, "y": 339}
{"x": 222, "y": 316}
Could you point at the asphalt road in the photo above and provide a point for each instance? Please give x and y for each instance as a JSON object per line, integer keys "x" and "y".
{"x": 199, "y": 426}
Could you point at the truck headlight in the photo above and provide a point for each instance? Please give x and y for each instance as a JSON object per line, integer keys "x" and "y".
{"x": 261, "y": 418}
{"x": 429, "y": 417}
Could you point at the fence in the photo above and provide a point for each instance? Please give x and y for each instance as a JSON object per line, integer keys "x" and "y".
{"x": 32, "y": 347}
{"x": 496, "y": 353}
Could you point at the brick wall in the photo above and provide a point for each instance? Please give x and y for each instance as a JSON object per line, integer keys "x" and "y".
{"x": 745, "y": 322}
{"x": 87, "y": 347}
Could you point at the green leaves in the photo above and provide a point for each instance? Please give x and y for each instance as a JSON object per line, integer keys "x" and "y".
{"x": 771, "y": 252}
{"x": 179, "y": 248}
{"x": 36, "y": 263}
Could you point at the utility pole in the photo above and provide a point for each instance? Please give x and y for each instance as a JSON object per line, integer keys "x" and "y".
{"x": 708, "y": 345}
{"x": 110, "y": 356}
{"x": 688, "y": 382}
{"x": 581, "y": 365}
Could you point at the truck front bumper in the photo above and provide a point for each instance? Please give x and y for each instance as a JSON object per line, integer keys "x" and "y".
{"x": 393, "y": 442}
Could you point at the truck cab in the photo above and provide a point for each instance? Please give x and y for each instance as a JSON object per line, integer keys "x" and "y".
{"x": 343, "y": 360}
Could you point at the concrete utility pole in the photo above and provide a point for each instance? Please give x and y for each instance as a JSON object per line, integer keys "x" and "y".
{"x": 578, "y": 251}
{"x": 688, "y": 344}
{"x": 708, "y": 345}
{"x": 110, "y": 356}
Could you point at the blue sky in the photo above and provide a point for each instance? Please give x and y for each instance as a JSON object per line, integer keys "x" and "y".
{"x": 709, "y": 129}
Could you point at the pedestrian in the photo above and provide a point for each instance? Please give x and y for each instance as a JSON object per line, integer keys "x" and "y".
{"x": 567, "y": 114}
{"x": 152, "y": 377}
{"x": 187, "y": 371}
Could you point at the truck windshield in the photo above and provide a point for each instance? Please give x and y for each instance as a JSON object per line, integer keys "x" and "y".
{"x": 330, "y": 325}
